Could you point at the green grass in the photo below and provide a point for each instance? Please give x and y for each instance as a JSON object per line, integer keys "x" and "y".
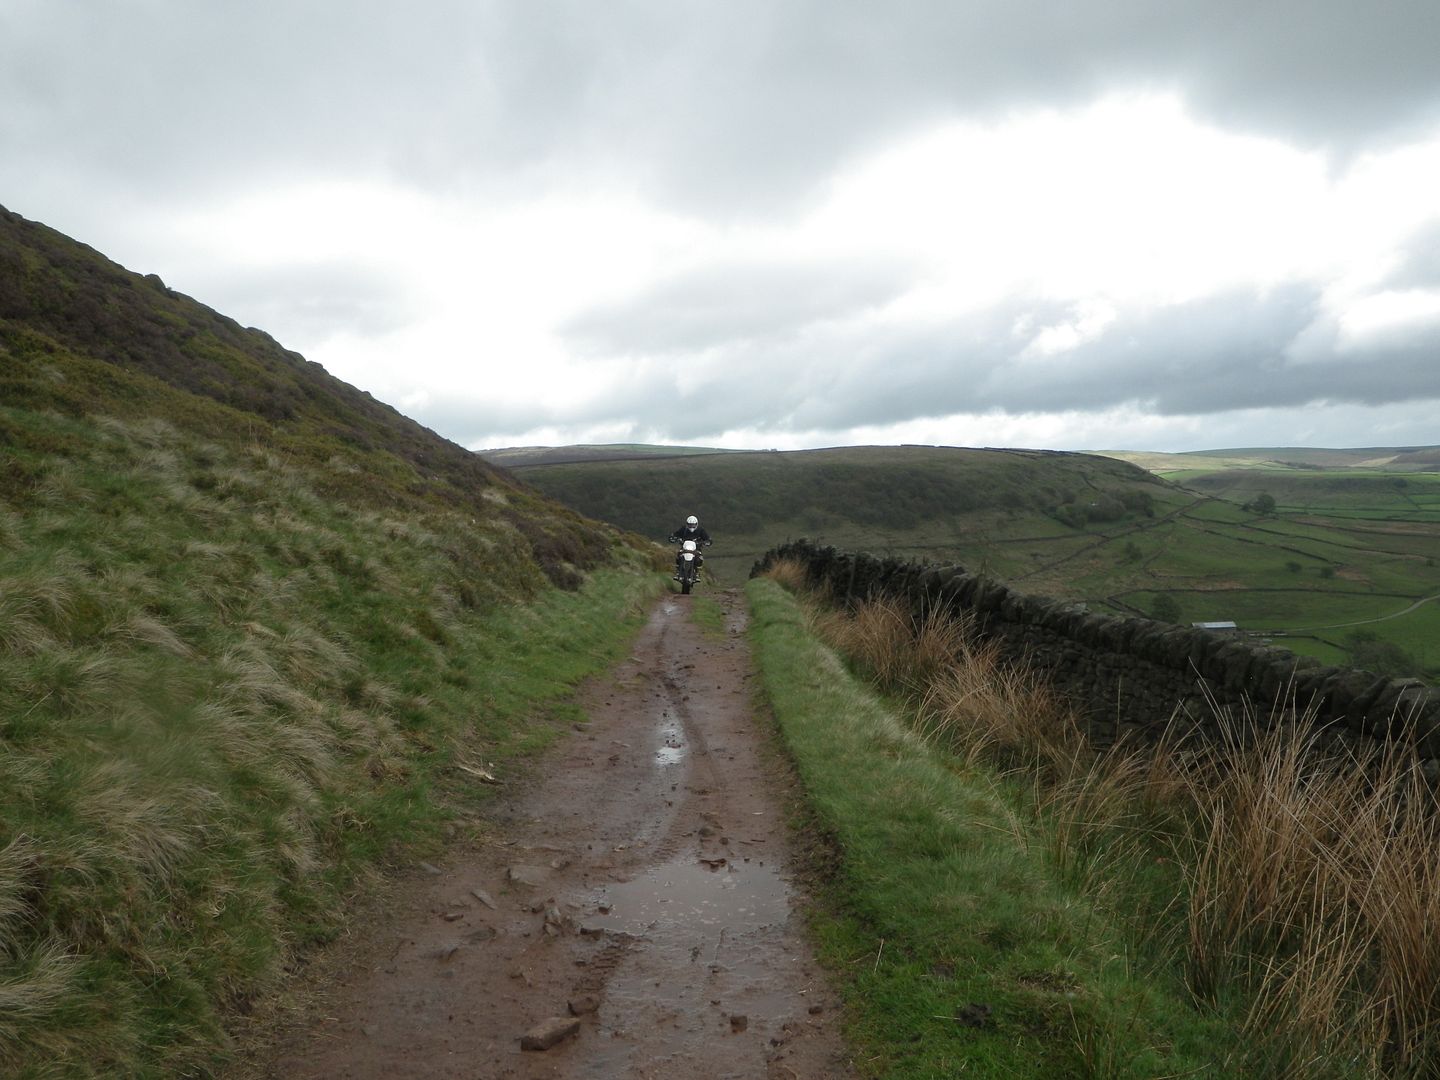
{"x": 962, "y": 948}
{"x": 707, "y": 614}
{"x": 225, "y": 700}
{"x": 1416, "y": 633}
{"x": 81, "y": 337}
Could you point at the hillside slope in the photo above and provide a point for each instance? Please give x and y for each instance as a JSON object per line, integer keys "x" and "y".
{"x": 80, "y": 335}
{"x": 944, "y": 503}
{"x": 259, "y": 633}
{"x": 1392, "y": 459}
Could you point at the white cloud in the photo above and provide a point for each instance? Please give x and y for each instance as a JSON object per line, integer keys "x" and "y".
{"x": 1086, "y": 322}
{"x": 1392, "y": 317}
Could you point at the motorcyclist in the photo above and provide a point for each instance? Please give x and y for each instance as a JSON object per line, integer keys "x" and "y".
{"x": 692, "y": 531}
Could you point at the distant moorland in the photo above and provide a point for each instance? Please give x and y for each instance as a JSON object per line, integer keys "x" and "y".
{"x": 1332, "y": 553}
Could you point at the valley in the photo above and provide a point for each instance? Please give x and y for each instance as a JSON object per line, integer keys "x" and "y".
{"x": 1304, "y": 552}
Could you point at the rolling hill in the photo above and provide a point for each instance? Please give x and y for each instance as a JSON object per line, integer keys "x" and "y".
{"x": 259, "y": 634}
{"x": 1344, "y": 550}
{"x": 941, "y": 502}
{"x": 82, "y": 336}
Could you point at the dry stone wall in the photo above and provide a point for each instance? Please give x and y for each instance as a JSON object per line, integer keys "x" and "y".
{"x": 1136, "y": 676}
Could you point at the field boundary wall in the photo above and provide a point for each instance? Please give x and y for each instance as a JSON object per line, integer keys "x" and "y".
{"x": 1133, "y": 676}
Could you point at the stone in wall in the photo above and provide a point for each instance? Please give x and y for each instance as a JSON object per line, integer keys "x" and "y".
{"x": 1131, "y": 671}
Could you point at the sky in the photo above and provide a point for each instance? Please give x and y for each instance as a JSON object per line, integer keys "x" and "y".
{"x": 1100, "y": 224}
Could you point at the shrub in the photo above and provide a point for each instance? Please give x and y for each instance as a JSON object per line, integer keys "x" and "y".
{"x": 1368, "y": 650}
{"x": 1165, "y": 608}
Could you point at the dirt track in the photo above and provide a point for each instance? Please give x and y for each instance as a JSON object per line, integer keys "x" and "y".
{"x": 644, "y": 874}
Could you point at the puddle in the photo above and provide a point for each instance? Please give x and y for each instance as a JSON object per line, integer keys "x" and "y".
{"x": 672, "y": 742}
{"x": 691, "y": 894}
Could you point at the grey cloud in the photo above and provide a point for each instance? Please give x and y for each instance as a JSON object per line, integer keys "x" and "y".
{"x": 310, "y": 302}
{"x": 1419, "y": 265}
{"x": 476, "y": 422}
{"x": 734, "y": 108}
{"x": 729, "y": 304}
{"x": 1216, "y": 355}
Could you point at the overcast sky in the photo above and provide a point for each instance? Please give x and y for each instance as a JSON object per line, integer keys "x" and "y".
{"x": 1121, "y": 224}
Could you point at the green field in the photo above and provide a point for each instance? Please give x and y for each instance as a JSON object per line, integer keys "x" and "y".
{"x": 1353, "y": 536}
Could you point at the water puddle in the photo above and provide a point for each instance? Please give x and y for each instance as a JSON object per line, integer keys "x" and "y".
{"x": 693, "y": 895}
{"x": 672, "y": 742}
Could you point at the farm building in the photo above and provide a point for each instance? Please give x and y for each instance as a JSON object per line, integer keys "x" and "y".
{"x": 1222, "y": 627}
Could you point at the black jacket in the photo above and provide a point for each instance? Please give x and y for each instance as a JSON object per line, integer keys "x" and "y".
{"x": 686, "y": 532}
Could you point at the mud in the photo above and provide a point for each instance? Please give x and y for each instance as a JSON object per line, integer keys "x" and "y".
{"x": 643, "y": 884}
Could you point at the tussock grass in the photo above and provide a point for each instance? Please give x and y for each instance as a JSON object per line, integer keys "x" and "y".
{"x": 1288, "y": 888}
{"x": 224, "y": 703}
{"x": 962, "y": 950}
{"x": 1314, "y": 887}
{"x": 790, "y": 574}
{"x": 982, "y": 710}
{"x": 889, "y": 645}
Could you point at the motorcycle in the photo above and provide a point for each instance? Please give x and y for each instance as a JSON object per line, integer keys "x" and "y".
{"x": 687, "y": 570}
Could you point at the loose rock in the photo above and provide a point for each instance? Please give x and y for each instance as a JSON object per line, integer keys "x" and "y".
{"x": 533, "y": 876}
{"x": 584, "y": 1005}
{"x": 549, "y": 1033}
{"x": 484, "y": 898}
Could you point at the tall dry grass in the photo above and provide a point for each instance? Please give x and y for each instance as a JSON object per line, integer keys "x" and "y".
{"x": 1315, "y": 884}
{"x": 1294, "y": 885}
{"x": 792, "y": 575}
{"x": 893, "y": 647}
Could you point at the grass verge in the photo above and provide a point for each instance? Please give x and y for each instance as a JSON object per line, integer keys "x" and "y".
{"x": 963, "y": 950}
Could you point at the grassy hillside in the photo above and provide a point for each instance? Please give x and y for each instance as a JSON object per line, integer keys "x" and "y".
{"x": 1333, "y": 554}
{"x": 1286, "y": 458}
{"x": 259, "y": 634}
{"x": 1367, "y": 520}
{"x": 80, "y": 335}
{"x": 512, "y": 456}
{"x": 937, "y": 499}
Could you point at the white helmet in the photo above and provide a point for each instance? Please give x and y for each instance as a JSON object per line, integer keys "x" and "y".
{"x": 692, "y": 520}
{"x": 689, "y": 545}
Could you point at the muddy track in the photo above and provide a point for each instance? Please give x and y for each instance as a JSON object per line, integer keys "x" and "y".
{"x": 642, "y": 881}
